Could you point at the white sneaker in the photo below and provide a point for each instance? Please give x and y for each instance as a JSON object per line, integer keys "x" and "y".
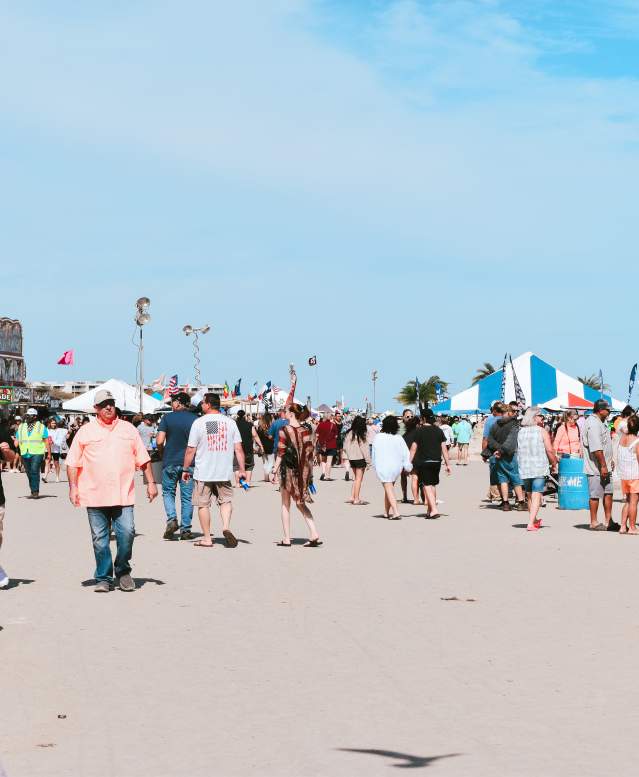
{"x": 4, "y": 578}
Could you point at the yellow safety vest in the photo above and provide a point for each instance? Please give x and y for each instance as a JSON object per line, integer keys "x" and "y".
{"x": 32, "y": 444}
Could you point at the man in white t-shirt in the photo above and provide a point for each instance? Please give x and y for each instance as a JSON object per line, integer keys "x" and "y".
{"x": 213, "y": 440}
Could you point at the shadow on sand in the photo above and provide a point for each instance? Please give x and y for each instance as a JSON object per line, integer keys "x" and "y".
{"x": 405, "y": 760}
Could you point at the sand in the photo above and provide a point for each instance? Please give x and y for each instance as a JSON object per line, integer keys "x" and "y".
{"x": 462, "y": 646}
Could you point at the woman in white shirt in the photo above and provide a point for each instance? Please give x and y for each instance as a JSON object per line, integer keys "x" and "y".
{"x": 58, "y": 437}
{"x": 390, "y": 457}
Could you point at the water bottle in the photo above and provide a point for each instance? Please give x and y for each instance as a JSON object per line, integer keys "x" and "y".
{"x": 244, "y": 484}
{"x": 311, "y": 488}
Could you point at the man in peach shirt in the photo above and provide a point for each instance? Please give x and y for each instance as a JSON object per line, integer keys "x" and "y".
{"x": 101, "y": 468}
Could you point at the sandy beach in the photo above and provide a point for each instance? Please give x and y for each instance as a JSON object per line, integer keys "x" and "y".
{"x": 461, "y": 646}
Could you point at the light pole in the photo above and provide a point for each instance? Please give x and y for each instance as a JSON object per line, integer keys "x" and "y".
{"x": 196, "y": 332}
{"x": 374, "y": 379}
{"x": 142, "y": 317}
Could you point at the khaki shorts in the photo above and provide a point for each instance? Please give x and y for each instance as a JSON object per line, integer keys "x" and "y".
{"x": 205, "y": 490}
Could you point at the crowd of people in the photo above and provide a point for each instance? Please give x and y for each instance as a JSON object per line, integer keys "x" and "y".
{"x": 206, "y": 454}
{"x": 522, "y": 451}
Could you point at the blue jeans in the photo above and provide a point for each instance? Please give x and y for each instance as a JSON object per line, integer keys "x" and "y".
{"x": 508, "y": 471}
{"x": 171, "y": 476}
{"x": 32, "y": 465}
{"x": 100, "y": 521}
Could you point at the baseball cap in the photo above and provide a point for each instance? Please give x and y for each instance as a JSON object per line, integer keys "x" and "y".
{"x": 101, "y": 396}
{"x": 31, "y": 411}
{"x": 600, "y": 404}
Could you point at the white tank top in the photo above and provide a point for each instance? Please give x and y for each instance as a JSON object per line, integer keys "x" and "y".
{"x": 627, "y": 464}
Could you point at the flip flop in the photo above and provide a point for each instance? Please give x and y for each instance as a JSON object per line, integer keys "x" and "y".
{"x": 360, "y": 503}
{"x": 200, "y": 544}
{"x": 534, "y": 527}
{"x": 598, "y": 527}
{"x": 313, "y": 543}
{"x": 283, "y": 544}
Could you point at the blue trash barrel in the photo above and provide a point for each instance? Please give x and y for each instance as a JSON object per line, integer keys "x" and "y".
{"x": 573, "y": 484}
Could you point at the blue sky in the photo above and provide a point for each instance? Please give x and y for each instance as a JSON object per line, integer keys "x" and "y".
{"x": 408, "y": 186}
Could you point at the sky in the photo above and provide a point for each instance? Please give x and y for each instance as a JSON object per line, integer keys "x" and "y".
{"x": 411, "y": 186}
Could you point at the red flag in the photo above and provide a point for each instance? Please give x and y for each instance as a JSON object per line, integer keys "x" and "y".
{"x": 66, "y": 358}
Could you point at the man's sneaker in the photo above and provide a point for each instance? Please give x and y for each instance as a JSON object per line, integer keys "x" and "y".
{"x": 171, "y": 528}
{"x": 521, "y": 507}
{"x": 612, "y": 526}
{"x": 187, "y": 534}
{"x": 102, "y": 587}
{"x": 4, "y": 578}
{"x": 505, "y": 506}
{"x": 126, "y": 583}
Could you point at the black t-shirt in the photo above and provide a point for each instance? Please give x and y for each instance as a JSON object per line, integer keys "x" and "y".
{"x": 267, "y": 442}
{"x": 246, "y": 433}
{"x": 4, "y": 437}
{"x": 429, "y": 441}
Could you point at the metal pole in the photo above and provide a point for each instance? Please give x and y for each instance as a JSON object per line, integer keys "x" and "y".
{"x": 374, "y": 379}
{"x": 141, "y": 369}
{"x": 196, "y": 358}
{"x": 317, "y": 383}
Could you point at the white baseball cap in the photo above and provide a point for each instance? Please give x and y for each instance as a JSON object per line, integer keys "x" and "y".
{"x": 31, "y": 411}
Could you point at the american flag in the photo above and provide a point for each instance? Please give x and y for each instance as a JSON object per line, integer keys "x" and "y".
{"x": 216, "y": 435}
{"x": 173, "y": 385}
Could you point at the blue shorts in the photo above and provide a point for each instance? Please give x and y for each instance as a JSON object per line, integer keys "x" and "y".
{"x": 507, "y": 471}
{"x": 534, "y": 485}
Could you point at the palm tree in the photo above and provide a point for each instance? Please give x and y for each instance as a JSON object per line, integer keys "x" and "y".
{"x": 483, "y": 372}
{"x": 594, "y": 382}
{"x": 427, "y": 392}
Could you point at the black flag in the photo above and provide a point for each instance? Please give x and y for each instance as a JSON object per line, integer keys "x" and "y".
{"x": 312, "y": 361}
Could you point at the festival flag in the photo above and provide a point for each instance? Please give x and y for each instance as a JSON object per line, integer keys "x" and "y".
{"x": 631, "y": 384}
{"x": 227, "y": 391}
{"x": 503, "y": 379}
{"x": 438, "y": 392}
{"x": 66, "y": 358}
{"x": 312, "y": 361}
{"x": 264, "y": 390}
{"x": 417, "y": 400}
{"x": 236, "y": 390}
{"x": 520, "y": 397}
{"x": 173, "y": 387}
{"x": 601, "y": 382}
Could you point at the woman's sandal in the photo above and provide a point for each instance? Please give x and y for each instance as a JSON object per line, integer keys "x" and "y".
{"x": 283, "y": 544}
{"x": 200, "y": 544}
{"x": 313, "y": 543}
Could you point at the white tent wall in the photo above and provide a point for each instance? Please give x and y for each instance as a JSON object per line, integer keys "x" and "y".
{"x": 127, "y": 399}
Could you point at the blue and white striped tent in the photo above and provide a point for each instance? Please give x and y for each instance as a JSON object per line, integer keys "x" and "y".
{"x": 541, "y": 383}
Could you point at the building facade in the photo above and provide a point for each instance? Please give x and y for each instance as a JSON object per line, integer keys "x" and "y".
{"x": 13, "y": 371}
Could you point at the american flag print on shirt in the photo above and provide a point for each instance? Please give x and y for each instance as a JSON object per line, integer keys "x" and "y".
{"x": 216, "y": 435}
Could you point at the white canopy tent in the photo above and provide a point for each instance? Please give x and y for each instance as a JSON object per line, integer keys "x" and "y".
{"x": 127, "y": 399}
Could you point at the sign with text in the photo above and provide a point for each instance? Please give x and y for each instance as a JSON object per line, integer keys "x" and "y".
{"x": 6, "y": 395}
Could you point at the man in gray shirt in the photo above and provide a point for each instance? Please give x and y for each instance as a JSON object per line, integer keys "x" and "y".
{"x": 598, "y": 465}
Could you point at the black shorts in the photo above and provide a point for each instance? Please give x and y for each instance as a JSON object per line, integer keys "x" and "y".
{"x": 55, "y": 456}
{"x": 358, "y": 463}
{"x": 428, "y": 473}
{"x": 329, "y": 452}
